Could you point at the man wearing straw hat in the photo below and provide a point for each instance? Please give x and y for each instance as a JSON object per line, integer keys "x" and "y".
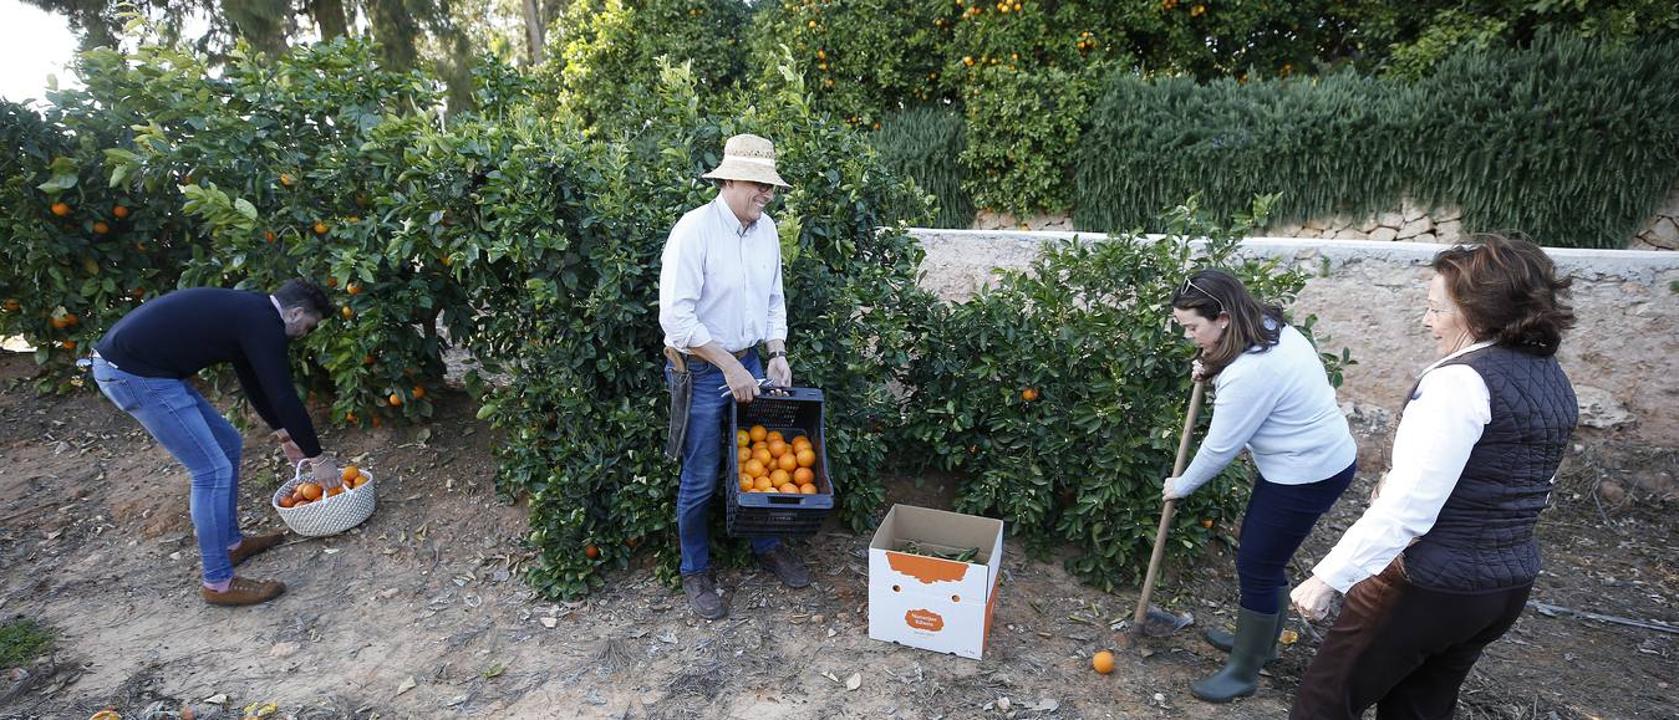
{"x": 720, "y": 298}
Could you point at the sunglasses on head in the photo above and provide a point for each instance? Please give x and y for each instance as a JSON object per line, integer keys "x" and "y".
{"x": 1189, "y": 284}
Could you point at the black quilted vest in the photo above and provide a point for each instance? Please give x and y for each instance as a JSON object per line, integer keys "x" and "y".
{"x": 1483, "y": 539}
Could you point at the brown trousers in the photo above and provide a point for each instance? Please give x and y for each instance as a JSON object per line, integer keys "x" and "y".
{"x": 1402, "y": 648}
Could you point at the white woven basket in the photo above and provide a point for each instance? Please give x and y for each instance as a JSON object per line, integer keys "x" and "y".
{"x": 328, "y": 515}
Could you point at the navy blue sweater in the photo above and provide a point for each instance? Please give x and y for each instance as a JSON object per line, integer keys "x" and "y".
{"x": 185, "y": 331}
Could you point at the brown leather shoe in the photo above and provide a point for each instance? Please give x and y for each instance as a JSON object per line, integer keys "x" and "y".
{"x": 786, "y": 566}
{"x": 244, "y": 591}
{"x": 701, "y": 590}
{"x": 252, "y": 545}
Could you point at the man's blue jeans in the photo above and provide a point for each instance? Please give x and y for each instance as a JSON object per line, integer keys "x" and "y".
{"x": 702, "y": 460}
{"x": 185, "y": 424}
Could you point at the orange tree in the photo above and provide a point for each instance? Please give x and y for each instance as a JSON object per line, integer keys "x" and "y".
{"x": 584, "y": 406}
{"x": 612, "y": 50}
{"x": 1059, "y": 395}
{"x": 79, "y": 252}
{"x": 278, "y": 169}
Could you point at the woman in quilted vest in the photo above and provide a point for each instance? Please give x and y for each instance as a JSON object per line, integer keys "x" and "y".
{"x": 1441, "y": 563}
{"x": 1273, "y": 398}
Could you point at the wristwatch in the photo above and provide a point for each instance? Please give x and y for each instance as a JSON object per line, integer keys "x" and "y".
{"x": 777, "y": 354}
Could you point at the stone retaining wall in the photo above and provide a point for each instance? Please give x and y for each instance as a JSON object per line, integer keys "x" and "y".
{"x": 1623, "y": 356}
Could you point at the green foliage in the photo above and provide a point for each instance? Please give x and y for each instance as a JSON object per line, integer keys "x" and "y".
{"x": 1415, "y": 37}
{"x": 926, "y": 143}
{"x": 1086, "y": 329}
{"x": 612, "y": 48}
{"x": 860, "y": 58}
{"x": 1021, "y": 128}
{"x": 1570, "y": 141}
{"x": 21, "y": 641}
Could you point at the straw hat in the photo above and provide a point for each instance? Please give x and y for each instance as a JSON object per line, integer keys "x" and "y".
{"x": 750, "y": 158}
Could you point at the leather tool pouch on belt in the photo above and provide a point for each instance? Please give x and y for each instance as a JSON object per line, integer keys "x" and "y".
{"x": 681, "y": 395}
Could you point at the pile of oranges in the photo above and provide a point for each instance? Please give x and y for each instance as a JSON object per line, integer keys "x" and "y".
{"x": 769, "y": 462}
{"x": 309, "y": 492}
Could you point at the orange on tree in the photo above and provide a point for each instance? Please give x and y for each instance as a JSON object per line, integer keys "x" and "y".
{"x": 12, "y": 305}
{"x": 1029, "y": 394}
{"x": 119, "y": 212}
{"x": 286, "y": 180}
{"x": 395, "y": 400}
{"x": 419, "y": 392}
{"x": 591, "y": 552}
{"x": 367, "y": 359}
{"x": 100, "y": 228}
{"x": 353, "y": 288}
{"x": 61, "y": 209}
{"x": 346, "y": 312}
{"x": 320, "y": 228}
{"x": 68, "y": 344}
{"x": 268, "y": 235}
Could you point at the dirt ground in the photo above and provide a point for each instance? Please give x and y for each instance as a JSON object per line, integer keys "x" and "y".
{"x": 419, "y": 613}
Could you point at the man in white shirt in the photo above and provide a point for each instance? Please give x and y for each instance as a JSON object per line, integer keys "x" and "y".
{"x": 720, "y": 296}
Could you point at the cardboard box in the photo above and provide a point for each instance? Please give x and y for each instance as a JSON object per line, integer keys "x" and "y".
{"x": 929, "y": 602}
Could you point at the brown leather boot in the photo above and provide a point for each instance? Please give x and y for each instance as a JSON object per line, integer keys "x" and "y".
{"x": 245, "y": 591}
{"x": 785, "y": 565}
{"x": 701, "y": 590}
{"x": 252, "y": 545}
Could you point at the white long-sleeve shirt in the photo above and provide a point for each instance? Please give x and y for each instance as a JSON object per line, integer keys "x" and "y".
{"x": 1280, "y": 406}
{"x": 1441, "y": 424}
{"x": 721, "y": 280}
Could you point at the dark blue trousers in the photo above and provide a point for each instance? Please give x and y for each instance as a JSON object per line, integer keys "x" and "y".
{"x": 1278, "y": 519}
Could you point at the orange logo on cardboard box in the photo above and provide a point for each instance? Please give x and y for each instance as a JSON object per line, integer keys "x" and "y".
{"x": 923, "y": 619}
{"x": 926, "y": 569}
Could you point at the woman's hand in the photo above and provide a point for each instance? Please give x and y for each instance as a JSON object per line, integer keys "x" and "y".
{"x": 1169, "y": 491}
{"x": 1313, "y": 598}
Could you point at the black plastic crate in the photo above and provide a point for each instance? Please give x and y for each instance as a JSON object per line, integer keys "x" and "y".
{"x": 793, "y": 411}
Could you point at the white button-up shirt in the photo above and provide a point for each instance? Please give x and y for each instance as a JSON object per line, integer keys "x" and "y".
{"x": 1442, "y": 422}
{"x": 721, "y": 281}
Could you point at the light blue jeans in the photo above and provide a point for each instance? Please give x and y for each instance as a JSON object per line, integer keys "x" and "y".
{"x": 185, "y": 424}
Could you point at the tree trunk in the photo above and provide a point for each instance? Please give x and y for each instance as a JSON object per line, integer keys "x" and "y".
{"x": 396, "y": 31}
{"x": 534, "y": 30}
{"x": 329, "y": 17}
{"x": 260, "y": 22}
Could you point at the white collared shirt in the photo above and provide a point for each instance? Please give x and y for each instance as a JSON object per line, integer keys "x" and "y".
{"x": 1441, "y": 424}
{"x": 721, "y": 281}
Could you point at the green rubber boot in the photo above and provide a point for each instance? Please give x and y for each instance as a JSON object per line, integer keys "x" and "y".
{"x": 1223, "y": 639}
{"x": 1256, "y": 637}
